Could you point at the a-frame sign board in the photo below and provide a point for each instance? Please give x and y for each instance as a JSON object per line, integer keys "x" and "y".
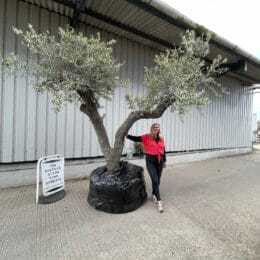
{"x": 50, "y": 170}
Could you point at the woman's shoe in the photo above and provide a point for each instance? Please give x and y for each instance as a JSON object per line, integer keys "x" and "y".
{"x": 160, "y": 207}
{"x": 154, "y": 199}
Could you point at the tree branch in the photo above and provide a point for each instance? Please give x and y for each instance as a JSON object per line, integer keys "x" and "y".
{"x": 131, "y": 119}
{"x": 90, "y": 109}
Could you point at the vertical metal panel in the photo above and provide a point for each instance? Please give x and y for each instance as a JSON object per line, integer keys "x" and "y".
{"x": 51, "y": 130}
{"x": 218, "y": 125}
{"x": 244, "y": 112}
{"x": 229, "y": 112}
{"x": 249, "y": 114}
{"x": 223, "y": 117}
{"x": 193, "y": 126}
{"x": 2, "y": 38}
{"x": 61, "y": 116}
{"x": 222, "y": 110}
{"x": 30, "y": 129}
{"x": 21, "y": 85}
{"x": 8, "y": 92}
{"x": 31, "y": 115}
{"x": 42, "y": 100}
{"x": 213, "y": 122}
{"x": 240, "y": 118}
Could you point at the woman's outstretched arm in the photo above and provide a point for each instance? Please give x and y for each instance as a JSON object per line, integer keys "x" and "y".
{"x": 134, "y": 138}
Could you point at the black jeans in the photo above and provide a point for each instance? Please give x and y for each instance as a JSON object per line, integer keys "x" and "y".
{"x": 155, "y": 172}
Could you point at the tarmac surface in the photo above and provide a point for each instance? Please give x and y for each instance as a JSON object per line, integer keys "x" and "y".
{"x": 212, "y": 211}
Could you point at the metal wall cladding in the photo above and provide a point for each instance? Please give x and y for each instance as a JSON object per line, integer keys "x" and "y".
{"x": 30, "y": 129}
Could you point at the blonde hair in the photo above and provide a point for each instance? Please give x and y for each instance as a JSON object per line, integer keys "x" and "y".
{"x": 151, "y": 131}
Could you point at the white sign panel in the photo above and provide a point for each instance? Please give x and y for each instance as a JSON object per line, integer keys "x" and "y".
{"x": 52, "y": 172}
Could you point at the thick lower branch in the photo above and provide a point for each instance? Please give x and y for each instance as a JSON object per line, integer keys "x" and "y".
{"x": 131, "y": 119}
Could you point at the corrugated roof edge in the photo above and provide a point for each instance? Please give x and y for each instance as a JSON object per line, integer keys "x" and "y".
{"x": 170, "y": 11}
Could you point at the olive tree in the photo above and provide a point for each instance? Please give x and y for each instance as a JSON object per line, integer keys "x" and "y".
{"x": 76, "y": 68}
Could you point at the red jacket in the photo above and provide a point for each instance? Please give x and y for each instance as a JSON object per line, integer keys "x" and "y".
{"x": 151, "y": 147}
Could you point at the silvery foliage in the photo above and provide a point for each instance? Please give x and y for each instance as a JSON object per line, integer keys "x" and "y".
{"x": 73, "y": 62}
{"x": 182, "y": 76}
{"x": 68, "y": 64}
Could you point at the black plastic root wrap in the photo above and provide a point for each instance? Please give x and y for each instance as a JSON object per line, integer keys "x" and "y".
{"x": 118, "y": 191}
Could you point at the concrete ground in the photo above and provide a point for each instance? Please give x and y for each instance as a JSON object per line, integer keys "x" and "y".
{"x": 212, "y": 212}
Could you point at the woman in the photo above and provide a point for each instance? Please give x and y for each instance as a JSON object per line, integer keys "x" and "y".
{"x": 155, "y": 159}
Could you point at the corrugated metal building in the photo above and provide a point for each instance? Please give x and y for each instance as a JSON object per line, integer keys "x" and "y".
{"x": 29, "y": 128}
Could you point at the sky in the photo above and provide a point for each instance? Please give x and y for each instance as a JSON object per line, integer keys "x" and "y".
{"x": 236, "y": 20}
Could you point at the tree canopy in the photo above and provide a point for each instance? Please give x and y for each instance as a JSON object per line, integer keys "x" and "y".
{"x": 69, "y": 63}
